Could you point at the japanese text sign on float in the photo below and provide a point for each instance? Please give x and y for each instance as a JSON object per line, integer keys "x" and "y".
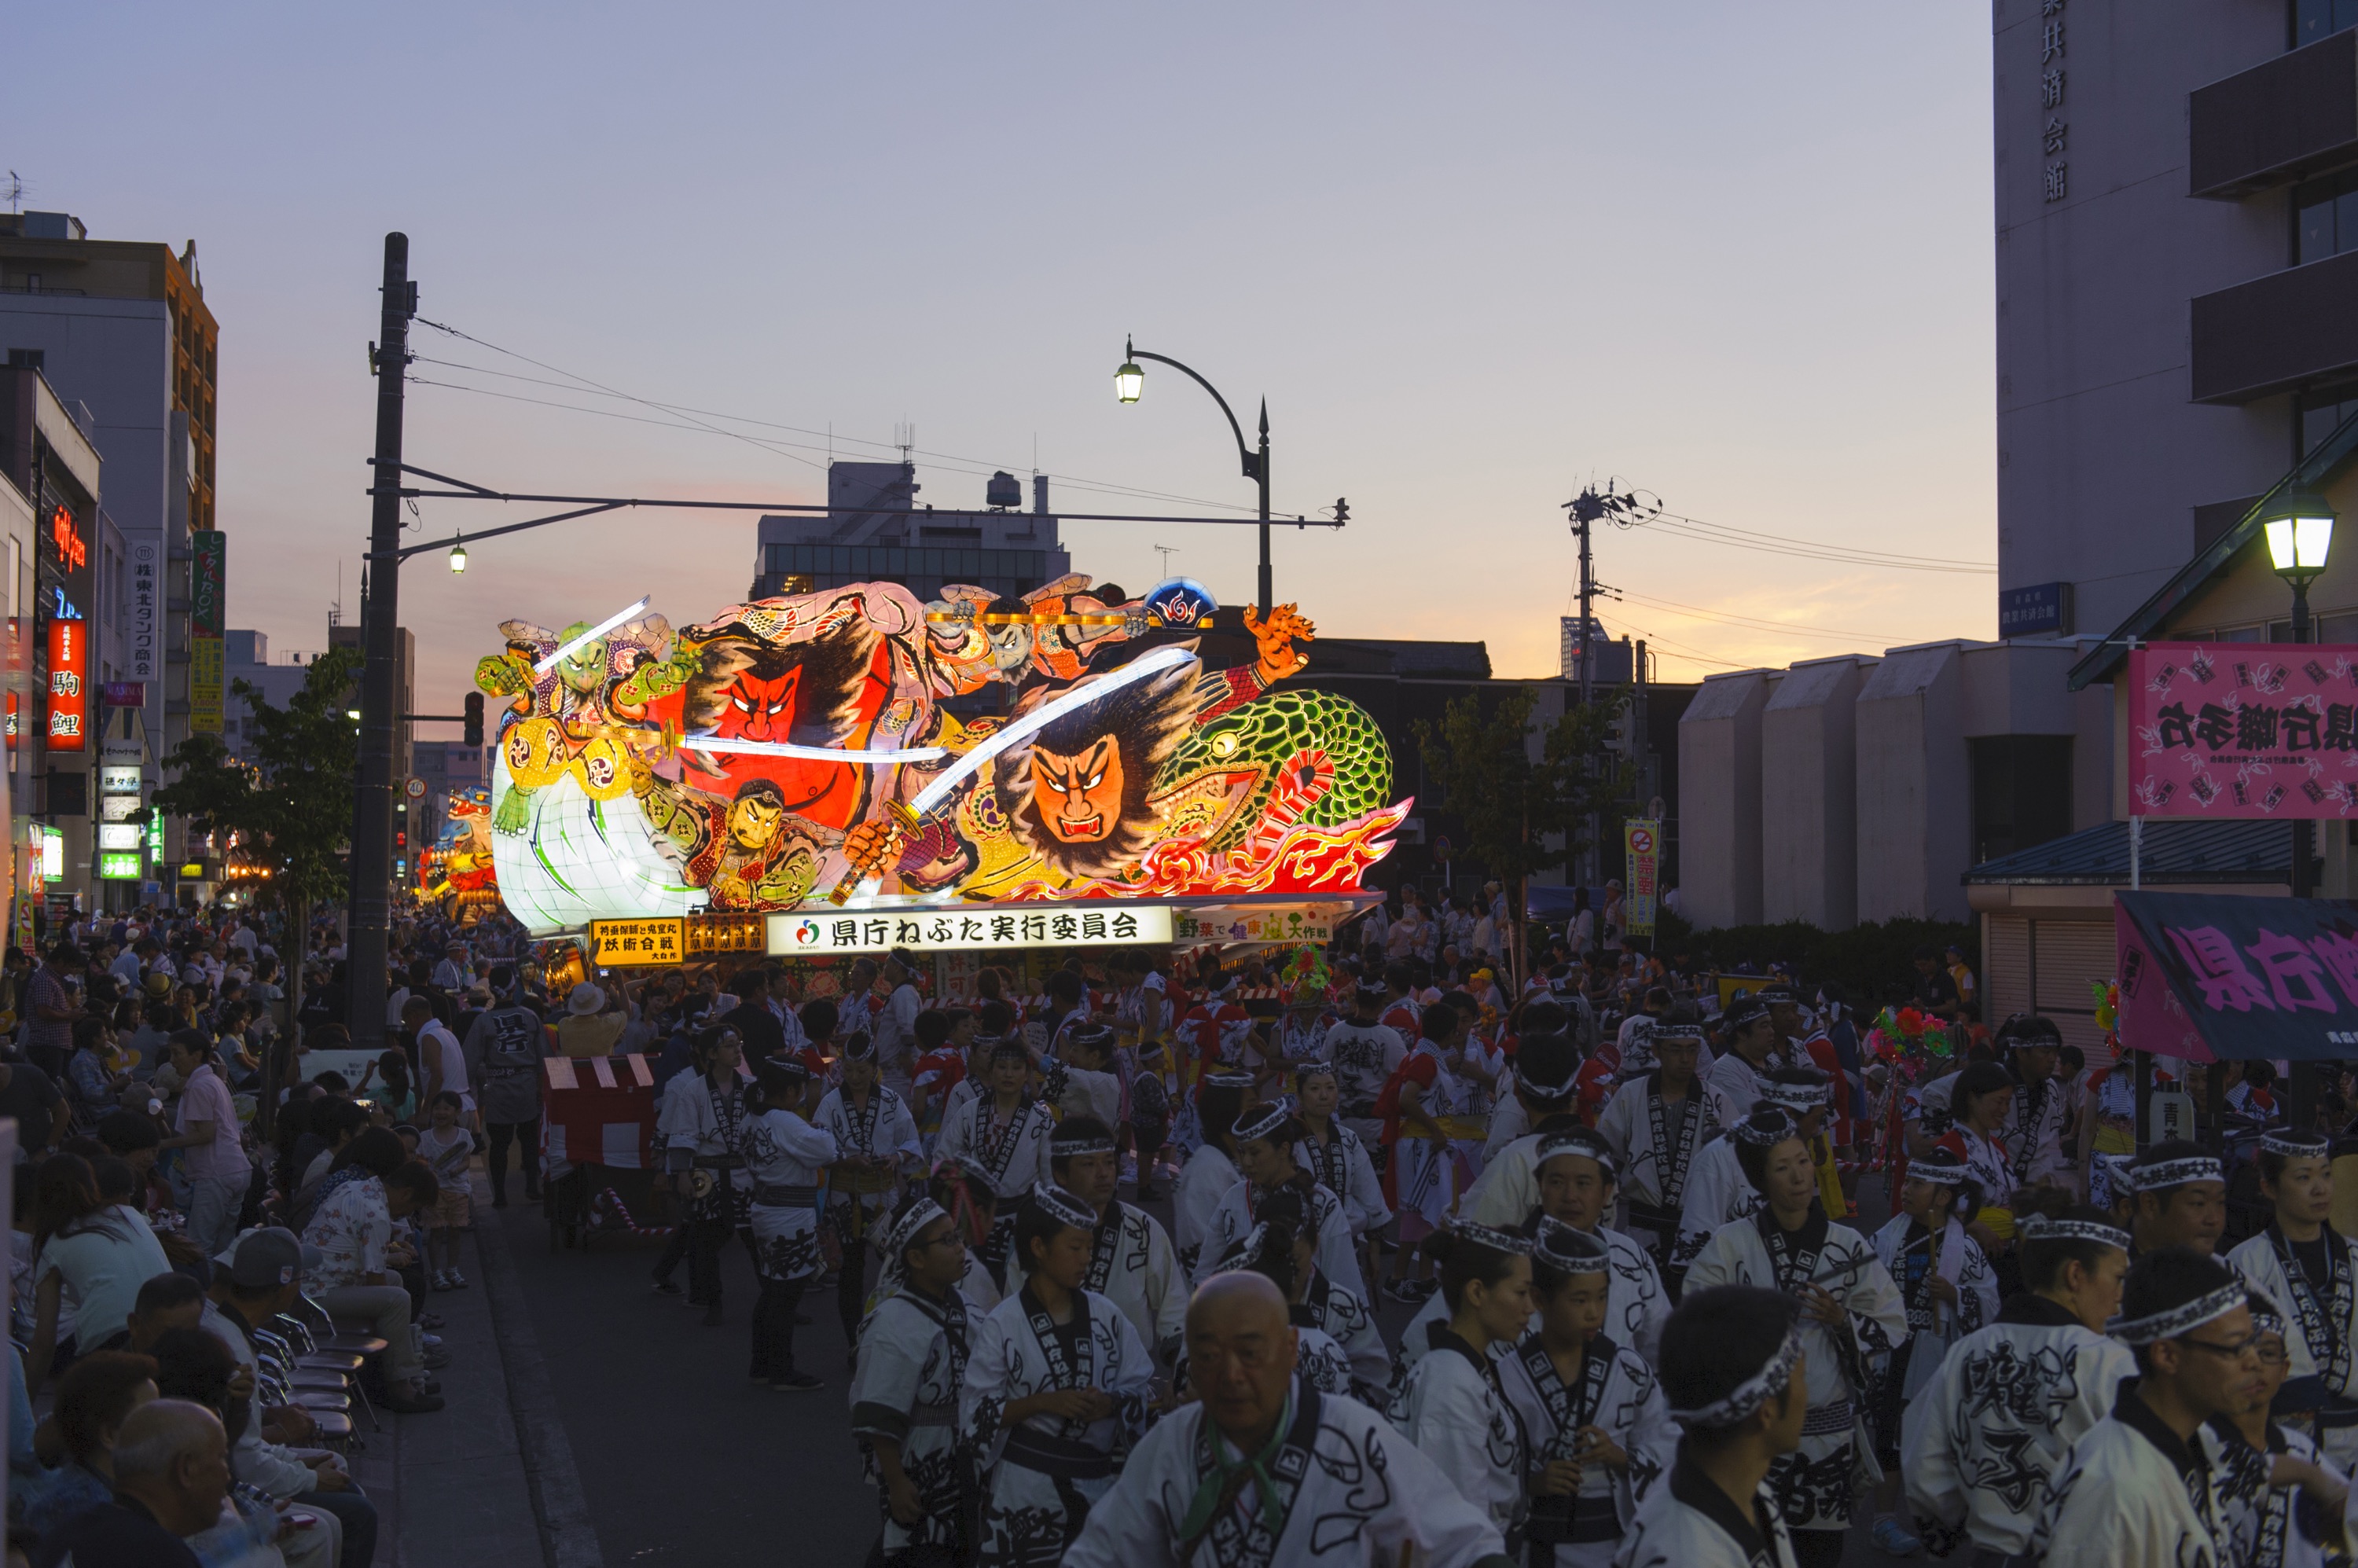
{"x": 1103, "y": 925}
{"x": 69, "y": 698}
{"x": 2207, "y": 976}
{"x": 2243, "y": 729}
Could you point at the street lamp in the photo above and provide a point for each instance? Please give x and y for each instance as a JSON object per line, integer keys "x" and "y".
{"x": 459, "y": 557}
{"x": 2300, "y": 535}
{"x": 1130, "y": 384}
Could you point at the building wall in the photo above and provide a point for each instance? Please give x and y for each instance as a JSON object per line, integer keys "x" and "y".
{"x": 1914, "y": 799}
{"x": 1719, "y": 805}
{"x": 1808, "y": 794}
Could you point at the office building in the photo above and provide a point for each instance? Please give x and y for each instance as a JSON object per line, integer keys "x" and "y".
{"x": 874, "y": 531}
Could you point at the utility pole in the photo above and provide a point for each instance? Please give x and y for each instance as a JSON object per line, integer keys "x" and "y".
{"x": 371, "y": 921}
{"x": 1260, "y": 473}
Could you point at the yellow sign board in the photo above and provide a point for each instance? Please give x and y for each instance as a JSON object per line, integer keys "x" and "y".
{"x": 205, "y": 669}
{"x": 626, "y": 944}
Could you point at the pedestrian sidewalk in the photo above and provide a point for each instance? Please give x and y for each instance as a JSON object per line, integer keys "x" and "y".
{"x": 452, "y": 1488}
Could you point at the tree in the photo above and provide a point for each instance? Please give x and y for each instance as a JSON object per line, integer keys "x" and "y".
{"x": 1522, "y": 815}
{"x": 288, "y": 810}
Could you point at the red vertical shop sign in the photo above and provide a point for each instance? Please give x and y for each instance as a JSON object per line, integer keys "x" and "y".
{"x": 68, "y": 664}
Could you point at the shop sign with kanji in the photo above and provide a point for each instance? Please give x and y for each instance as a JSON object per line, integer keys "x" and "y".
{"x": 2207, "y": 976}
{"x": 2243, "y": 729}
{"x": 1100, "y": 923}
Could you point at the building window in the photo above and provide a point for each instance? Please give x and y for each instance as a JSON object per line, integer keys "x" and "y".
{"x": 2022, "y": 791}
{"x": 2316, "y": 414}
{"x": 2314, "y": 19}
{"x": 2325, "y": 216}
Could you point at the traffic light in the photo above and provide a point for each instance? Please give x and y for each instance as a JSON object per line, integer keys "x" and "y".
{"x": 474, "y": 719}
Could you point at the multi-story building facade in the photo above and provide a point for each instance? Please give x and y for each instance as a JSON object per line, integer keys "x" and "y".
{"x": 874, "y": 532}
{"x": 121, "y": 328}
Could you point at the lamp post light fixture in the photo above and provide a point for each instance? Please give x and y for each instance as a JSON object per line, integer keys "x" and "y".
{"x": 2299, "y": 531}
{"x": 1129, "y": 385}
{"x": 459, "y": 557}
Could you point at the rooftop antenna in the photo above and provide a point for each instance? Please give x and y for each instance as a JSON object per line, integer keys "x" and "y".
{"x": 1167, "y": 551}
{"x": 904, "y": 436}
{"x": 336, "y": 610}
{"x": 15, "y": 192}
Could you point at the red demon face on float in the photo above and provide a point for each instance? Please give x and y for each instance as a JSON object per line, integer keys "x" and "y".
{"x": 825, "y": 692}
{"x": 759, "y": 710}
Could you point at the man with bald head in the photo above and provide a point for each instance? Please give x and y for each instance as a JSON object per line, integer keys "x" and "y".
{"x": 1235, "y": 1467}
{"x": 171, "y": 1472}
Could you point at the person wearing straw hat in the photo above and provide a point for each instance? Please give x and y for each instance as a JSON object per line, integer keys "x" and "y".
{"x": 1592, "y": 1409}
{"x": 2311, "y": 1271}
{"x": 1852, "y": 1316}
{"x": 1262, "y": 1469}
{"x": 1055, "y": 1392}
{"x": 1980, "y": 1443}
{"x": 2137, "y": 1489}
{"x": 1452, "y": 1406}
{"x": 1736, "y": 1374}
{"x": 588, "y": 1029}
{"x": 912, "y": 1349}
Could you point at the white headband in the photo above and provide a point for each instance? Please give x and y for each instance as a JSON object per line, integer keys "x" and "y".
{"x": 1586, "y": 1144}
{"x": 1768, "y": 1135}
{"x": 1491, "y": 1236}
{"x": 2174, "y": 1173}
{"x": 1064, "y": 1207}
{"x": 2177, "y": 1320}
{"x": 2295, "y": 1145}
{"x": 1752, "y": 1393}
{"x": 2038, "y": 1227}
{"x": 1943, "y": 1176}
{"x": 1568, "y": 1251}
{"x": 1799, "y": 1099}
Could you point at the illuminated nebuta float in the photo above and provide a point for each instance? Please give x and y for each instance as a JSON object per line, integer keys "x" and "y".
{"x": 856, "y": 746}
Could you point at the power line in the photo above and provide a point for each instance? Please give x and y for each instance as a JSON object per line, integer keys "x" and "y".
{"x": 1757, "y": 624}
{"x": 1803, "y": 549}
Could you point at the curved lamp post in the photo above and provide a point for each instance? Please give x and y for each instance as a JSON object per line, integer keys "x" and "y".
{"x": 2299, "y": 530}
{"x": 1129, "y": 385}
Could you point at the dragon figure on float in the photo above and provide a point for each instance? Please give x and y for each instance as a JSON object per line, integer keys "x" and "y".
{"x": 855, "y": 742}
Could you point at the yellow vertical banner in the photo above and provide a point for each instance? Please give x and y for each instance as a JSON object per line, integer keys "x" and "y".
{"x": 1642, "y": 838}
{"x": 205, "y": 669}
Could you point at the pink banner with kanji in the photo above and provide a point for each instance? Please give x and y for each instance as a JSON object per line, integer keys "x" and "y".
{"x": 2241, "y": 730}
{"x": 2218, "y": 976}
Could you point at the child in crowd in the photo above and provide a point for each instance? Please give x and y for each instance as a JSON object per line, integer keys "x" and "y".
{"x": 446, "y": 1147}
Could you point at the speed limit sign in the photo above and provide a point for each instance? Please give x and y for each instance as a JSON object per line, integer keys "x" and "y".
{"x": 414, "y": 789}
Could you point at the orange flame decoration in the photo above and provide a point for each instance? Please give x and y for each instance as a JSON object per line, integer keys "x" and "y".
{"x": 1306, "y": 860}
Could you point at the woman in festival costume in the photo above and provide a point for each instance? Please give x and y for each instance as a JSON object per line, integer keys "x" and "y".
{"x": 1005, "y": 1131}
{"x": 1055, "y": 1393}
{"x": 1718, "y": 1192}
{"x": 1949, "y": 1290}
{"x": 1979, "y": 1104}
{"x": 1591, "y": 1409}
{"x": 876, "y": 1139}
{"x": 2135, "y": 1491}
{"x": 1452, "y": 1407}
{"x": 784, "y": 1154}
{"x": 1211, "y": 1169}
{"x": 1264, "y": 1140}
{"x": 2311, "y": 1271}
{"x": 1736, "y": 1374}
{"x": 1980, "y": 1442}
{"x": 914, "y": 1347}
{"x": 2280, "y": 1502}
{"x": 1851, "y": 1315}
{"x": 1424, "y": 1093}
{"x": 963, "y": 1190}
{"x": 1335, "y": 1154}
{"x": 1263, "y": 1471}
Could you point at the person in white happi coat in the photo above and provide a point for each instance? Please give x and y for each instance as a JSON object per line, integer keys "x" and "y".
{"x": 1430, "y": 1164}
{"x": 1748, "y": 1052}
{"x": 1343, "y": 1352}
{"x": 1981, "y": 1442}
{"x": 1657, "y": 1123}
{"x": 876, "y": 1140}
{"x": 1265, "y": 1136}
{"x": 784, "y": 1156}
{"x": 2042, "y": 1110}
{"x": 1546, "y": 1085}
{"x": 1851, "y": 1317}
{"x": 2311, "y": 1271}
{"x": 1736, "y": 1374}
{"x": 1211, "y": 1168}
{"x": 701, "y": 1125}
{"x": 1006, "y": 1132}
{"x": 1592, "y": 1410}
{"x": 963, "y": 1189}
{"x": 1718, "y": 1192}
{"x": 1949, "y": 1290}
{"x": 2179, "y": 1198}
{"x": 1452, "y": 1406}
{"x": 1055, "y": 1392}
{"x": 2279, "y": 1502}
{"x": 1263, "y": 1471}
{"x": 914, "y": 1347}
{"x": 1131, "y": 1262}
{"x": 1330, "y": 1152}
{"x": 1363, "y": 1052}
{"x": 2137, "y": 1490}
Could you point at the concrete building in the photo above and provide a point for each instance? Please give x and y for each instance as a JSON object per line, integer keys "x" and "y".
{"x": 121, "y": 329}
{"x": 874, "y": 532}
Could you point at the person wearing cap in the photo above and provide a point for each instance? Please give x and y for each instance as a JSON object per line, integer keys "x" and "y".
{"x": 784, "y": 1155}
{"x": 1980, "y": 1442}
{"x": 1656, "y": 1124}
{"x": 1265, "y": 1138}
{"x": 1056, "y": 1387}
{"x": 1735, "y": 1374}
{"x": 2182, "y": 1198}
{"x": 1747, "y": 1050}
{"x": 1203, "y": 1486}
{"x": 2311, "y": 1271}
{"x": 876, "y": 1143}
{"x": 1591, "y": 1408}
{"x": 2137, "y": 1488}
{"x": 1450, "y": 1405}
{"x": 1005, "y": 1133}
{"x": 1852, "y": 1316}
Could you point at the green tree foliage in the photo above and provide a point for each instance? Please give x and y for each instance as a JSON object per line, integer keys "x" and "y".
{"x": 1872, "y": 961}
{"x": 1522, "y": 815}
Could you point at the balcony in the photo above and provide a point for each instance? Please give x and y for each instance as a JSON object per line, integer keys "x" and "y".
{"x": 2278, "y": 122}
{"x": 2276, "y": 332}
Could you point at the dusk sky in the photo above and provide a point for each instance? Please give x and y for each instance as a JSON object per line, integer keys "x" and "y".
{"x": 1738, "y": 255}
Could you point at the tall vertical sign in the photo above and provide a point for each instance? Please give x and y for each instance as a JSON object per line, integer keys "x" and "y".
{"x": 1643, "y": 837}
{"x": 68, "y": 684}
{"x": 208, "y": 586}
{"x": 147, "y": 602}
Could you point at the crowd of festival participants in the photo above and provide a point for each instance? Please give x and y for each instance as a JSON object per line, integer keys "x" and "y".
{"x": 1652, "y": 1325}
